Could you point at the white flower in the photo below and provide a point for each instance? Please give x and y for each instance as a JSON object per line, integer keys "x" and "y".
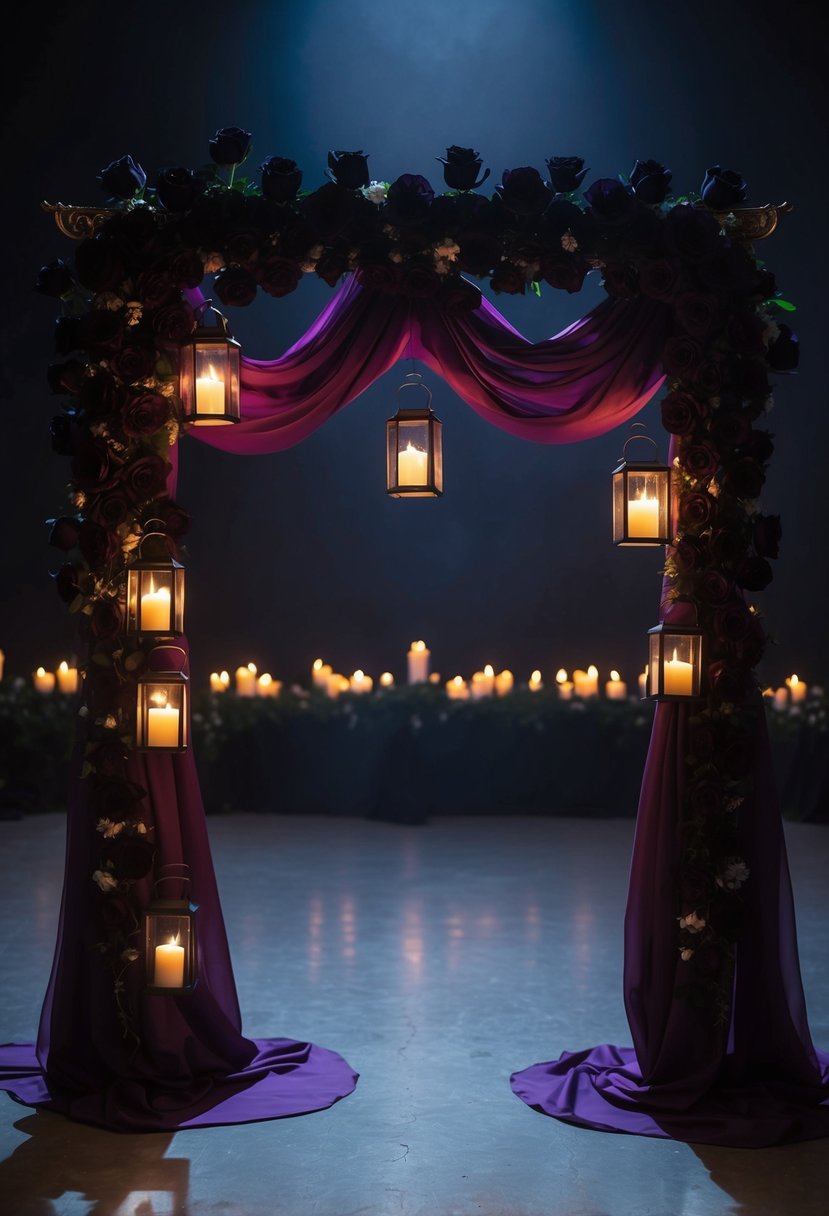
{"x": 692, "y": 922}
{"x": 686, "y": 954}
{"x": 135, "y": 312}
{"x": 569, "y": 242}
{"x": 733, "y": 876}
{"x": 129, "y": 955}
{"x": 105, "y": 880}
{"x": 375, "y": 192}
{"x": 212, "y": 261}
{"x": 109, "y": 828}
{"x": 447, "y": 249}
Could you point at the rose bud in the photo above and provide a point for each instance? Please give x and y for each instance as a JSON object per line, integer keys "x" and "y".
{"x": 409, "y": 199}
{"x": 348, "y": 169}
{"x": 229, "y": 146}
{"x": 650, "y": 181}
{"x": 523, "y": 191}
{"x": 281, "y": 179}
{"x": 461, "y": 167}
{"x": 177, "y": 189}
{"x": 610, "y": 201}
{"x": 722, "y": 188}
{"x": 55, "y": 279}
{"x": 123, "y": 178}
{"x": 566, "y": 173}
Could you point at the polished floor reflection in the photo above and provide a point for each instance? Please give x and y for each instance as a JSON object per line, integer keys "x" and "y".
{"x": 437, "y": 960}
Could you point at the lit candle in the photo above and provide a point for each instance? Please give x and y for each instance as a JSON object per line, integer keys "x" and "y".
{"x": 162, "y": 726}
{"x": 678, "y": 677}
{"x": 643, "y": 683}
{"x": 457, "y": 689}
{"x": 434, "y": 677}
{"x": 210, "y": 394}
{"x": 418, "y": 662}
{"x": 337, "y": 683}
{"x": 781, "y": 698}
{"x": 387, "y": 680}
{"x": 565, "y": 686}
{"x": 586, "y": 682}
{"x": 267, "y": 686}
{"x": 169, "y": 965}
{"x": 219, "y": 681}
{"x": 535, "y": 681}
{"x": 155, "y": 610}
{"x": 320, "y": 673}
{"x": 412, "y": 467}
{"x": 67, "y": 678}
{"x": 643, "y": 516}
{"x": 615, "y": 689}
{"x": 2, "y": 663}
{"x": 360, "y": 682}
{"x": 246, "y": 680}
{"x": 797, "y": 689}
{"x": 44, "y": 680}
{"x": 504, "y": 682}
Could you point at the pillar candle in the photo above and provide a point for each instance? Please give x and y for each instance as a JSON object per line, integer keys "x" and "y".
{"x": 387, "y": 680}
{"x": 67, "y": 678}
{"x": 246, "y": 680}
{"x": 643, "y": 683}
{"x": 615, "y": 689}
{"x": 155, "y": 610}
{"x": 504, "y": 682}
{"x": 169, "y": 965}
{"x": 337, "y": 683}
{"x": 412, "y": 467}
{"x": 44, "y": 680}
{"x": 797, "y": 689}
{"x": 210, "y": 394}
{"x": 320, "y": 673}
{"x": 565, "y": 686}
{"x": 360, "y": 682}
{"x": 781, "y": 698}
{"x": 457, "y": 689}
{"x": 643, "y": 516}
{"x": 535, "y": 681}
{"x": 267, "y": 686}
{"x": 162, "y": 726}
{"x": 418, "y": 663}
{"x": 219, "y": 681}
{"x": 586, "y": 682}
{"x": 678, "y": 677}
{"x": 2, "y": 663}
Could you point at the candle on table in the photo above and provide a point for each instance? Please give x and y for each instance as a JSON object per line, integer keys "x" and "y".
{"x": 643, "y": 683}
{"x": 489, "y": 680}
{"x": 360, "y": 682}
{"x": 267, "y": 686}
{"x": 615, "y": 689}
{"x": 2, "y": 663}
{"x": 586, "y": 682}
{"x": 678, "y": 677}
{"x": 219, "y": 681}
{"x": 246, "y": 681}
{"x": 44, "y": 680}
{"x": 412, "y": 466}
{"x": 337, "y": 683}
{"x": 386, "y": 680}
{"x": 457, "y": 689}
{"x": 169, "y": 965}
{"x": 535, "y": 681}
{"x": 155, "y": 610}
{"x": 565, "y": 686}
{"x": 504, "y": 682}
{"x": 320, "y": 673}
{"x": 162, "y": 726}
{"x": 797, "y": 689}
{"x": 417, "y": 659}
{"x": 210, "y": 394}
{"x": 643, "y": 516}
{"x": 67, "y": 678}
{"x": 479, "y": 686}
{"x": 781, "y": 698}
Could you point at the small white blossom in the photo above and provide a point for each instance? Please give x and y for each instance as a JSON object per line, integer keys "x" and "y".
{"x": 308, "y": 267}
{"x": 686, "y": 954}
{"x": 733, "y": 876}
{"x": 109, "y": 828}
{"x": 140, "y": 829}
{"x": 692, "y": 922}
{"x": 447, "y": 249}
{"x": 129, "y": 955}
{"x": 569, "y": 242}
{"x": 135, "y": 312}
{"x": 212, "y": 261}
{"x": 105, "y": 880}
{"x": 375, "y": 192}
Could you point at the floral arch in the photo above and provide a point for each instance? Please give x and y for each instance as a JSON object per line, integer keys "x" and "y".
{"x": 712, "y": 989}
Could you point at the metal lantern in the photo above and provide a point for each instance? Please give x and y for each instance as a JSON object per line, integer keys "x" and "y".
{"x": 414, "y": 449}
{"x": 209, "y": 375}
{"x": 674, "y": 671}
{"x": 170, "y": 962}
{"x": 155, "y": 590}
{"x": 162, "y": 710}
{"x": 641, "y": 500}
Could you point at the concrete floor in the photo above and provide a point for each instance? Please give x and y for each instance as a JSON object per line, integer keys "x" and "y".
{"x": 437, "y": 960}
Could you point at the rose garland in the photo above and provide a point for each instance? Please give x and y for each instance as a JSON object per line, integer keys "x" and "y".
{"x": 124, "y": 319}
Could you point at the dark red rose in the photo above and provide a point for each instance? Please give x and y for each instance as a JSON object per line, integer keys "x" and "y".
{"x": 380, "y": 276}
{"x": 235, "y": 286}
{"x": 745, "y": 333}
{"x": 156, "y": 286}
{"x": 523, "y": 192}
{"x": 566, "y": 273}
{"x": 732, "y": 622}
{"x": 479, "y": 252}
{"x": 691, "y": 232}
{"x": 458, "y": 295}
{"x": 766, "y": 535}
{"x": 328, "y": 210}
{"x": 66, "y": 377}
{"x": 93, "y": 467}
{"x": 242, "y": 247}
{"x": 118, "y": 913}
{"x": 105, "y": 621}
{"x": 114, "y": 798}
{"x": 229, "y": 146}
{"x": 706, "y": 796}
{"x": 55, "y": 280}
{"x": 698, "y": 313}
{"x": 610, "y": 202}
{"x": 708, "y": 376}
{"x": 620, "y": 281}
{"x": 760, "y": 446}
{"x": 68, "y": 335}
{"x": 729, "y": 429}
{"x": 509, "y": 279}
{"x": 145, "y": 479}
{"x": 173, "y": 324}
{"x": 461, "y": 167}
{"x": 728, "y": 681}
{"x": 348, "y": 169}
{"x": 754, "y": 574}
{"x": 650, "y": 181}
{"x": 745, "y": 478}
{"x": 279, "y": 276}
{"x": 122, "y": 178}
{"x": 727, "y": 547}
{"x": 100, "y": 396}
{"x": 132, "y": 362}
{"x": 144, "y": 414}
{"x": 696, "y": 508}
{"x": 177, "y": 189}
{"x": 681, "y": 356}
{"x": 783, "y": 355}
{"x": 566, "y": 173}
{"x": 701, "y": 460}
{"x": 703, "y": 742}
{"x": 722, "y": 188}
{"x": 97, "y": 544}
{"x": 687, "y": 554}
{"x": 66, "y": 582}
{"x": 713, "y": 587}
{"x": 419, "y": 280}
{"x": 99, "y": 264}
{"x": 186, "y": 268}
{"x": 660, "y": 278}
{"x": 281, "y": 179}
{"x": 101, "y": 331}
{"x": 109, "y": 509}
{"x": 64, "y": 533}
{"x": 331, "y": 266}
{"x": 408, "y": 200}
{"x": 681, "y": 412}
{"x": 175, "y": 519}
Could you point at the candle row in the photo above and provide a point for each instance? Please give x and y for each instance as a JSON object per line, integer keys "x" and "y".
{"x": 65, "y": 679}
{"x": 790, "y": 694}
{"x": 248, "y": 682}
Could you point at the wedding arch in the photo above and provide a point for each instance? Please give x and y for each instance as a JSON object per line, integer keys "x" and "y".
{"x": 721, "y": 1047}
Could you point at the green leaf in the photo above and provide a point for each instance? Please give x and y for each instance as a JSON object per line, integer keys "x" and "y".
{"x": 785, "y": 305}
{"x": 536, "y": 288}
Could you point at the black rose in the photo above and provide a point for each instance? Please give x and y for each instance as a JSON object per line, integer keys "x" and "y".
{"x": 727, "y": 547}
{"x": 105, "y": 619}
{"x": 123, "y": 178}
{"x": 229, "y": 146}
{"x": 700, "y": 460}
{"x": 331, "y": 266}
{"x": 97, "y": 544}
{"x": 687, "y": 554}
{"x": 754, "y": 574}
{"x": 144, "y": 413}
{"x": 697, "y": 313}
{"x": 745, "y": 477}
{"x": 408, "y": 200}
{"x": 66, "y": 582}
{"x": 114, "y": 798}
{"x": 175, "y": 519}
{"x": 349, "y": 169}
{"x": 732, "y": 622}
{"x": 132, "y": 362}
{"x": 749, "y": 378}
{"x": 766, "y": 535}
{"x": 242, "y": 246}
{"x": 696, "y": 508}
{"x": 328, "y": 210}
{"x": 566, "y": 173}
{"x": 296, "y": 239}
{"x": 728, "y": 681}
{"x": 523, "y": 192}
{"x": 783, "y": 355}
{"x": 279, "y": 276}
{"x": 703, "y": 741}
{"x": 708, "y": 376}
{"x": 145, "y": 479}
{"x": 55, "y": 279}
{"x": 155, "y": 286}
{"x": 566, "y": 273}
{"x": 727, "y": 268}
{"x": 93, "y": 467}
{"x": 730, "y": 429}
{"x": 681, "y": 356}
{"x": 722, "y": 188}
{"x": 186, "y": 268}
{"x": 681, "y": 413}
{"x": 101, "y": 331}
{"x": 760, "y": 446}
{"x": 177, "y": 188}
{"x": 110, "y": 509}
{"x": 610, "y": 201}
{"x": 380, "y": 276}
{"x": 691, "y": 232}
{"x": 64, "y": 533}
{"x": 173, "y": 323}
{"x": 235, "y": 286}
{"x": 745, "y": 333}
{"x": 99, "y": 395}
{"x": 660, "y": 278}
{"x": 650, "y": 181}
{"x": 479, "y": 252}
{"x": 99, "y": 264}
{"x": 461, "y": 167}
{"x": 508, "y": 279}
{"x": 118, "y": 913}
{"x": 281, "y": 179}
{"x": 713, "y": 587}
{"x": 66, "y": 377}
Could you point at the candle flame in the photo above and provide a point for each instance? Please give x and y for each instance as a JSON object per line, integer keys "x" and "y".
{"x": 411, "y": 448}
{"x": 41, "y": 671}
{"x": 387, "y": 679}
{"x": 489, "y": 671}
{"x": 535, "y": 678}
{"x": 793, "y": 681}
{"x": 211, "y": 374}
{"x": 359, "y": 675}
{"x": 225, "y": 677}
{"x": 614, "y": 675}
{"x": 674, "y": 659}
{"x": 458, "y": 681}
{"x": 64, "y": 667}
{"x": 418, "y": 645}
{"x": 265, "y": 679}
{"x": 159, "y": 697}
{"x": 317, "y": 664}
{"x": 252, "y": 668}
{"x": 592, "y": 672}
{"x": 174, "y": 941}
{"x": 561, "y": 676}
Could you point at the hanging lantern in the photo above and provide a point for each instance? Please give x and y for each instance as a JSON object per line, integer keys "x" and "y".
{"x": 161, "y": 720}
{"x": 209, "y": 375}
{"x": 674, "y": 671}
{"x": 155, "y": 590}
{"x": 170, "y": 937}
{"x": 641, "y": 500}
{"x": 414, "y": 449}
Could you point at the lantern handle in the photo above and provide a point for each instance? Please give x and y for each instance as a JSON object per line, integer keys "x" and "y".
{"x": 175, "y": 865}
{"x": 208, "y": 306}
{"x": 647, "y": 438}
{"x": 154, "y": 532}
{"x": 414, "y": 380}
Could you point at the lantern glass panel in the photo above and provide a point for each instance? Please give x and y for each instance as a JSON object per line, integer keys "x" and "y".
{"x": 155, "y": 599}
{"x": 414, "y": 455}
{"x": 675, "y": 664}
{"x": 169, "y": 949}
{"x": 162, "y": 714}
{"x": 641, "y": 504}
